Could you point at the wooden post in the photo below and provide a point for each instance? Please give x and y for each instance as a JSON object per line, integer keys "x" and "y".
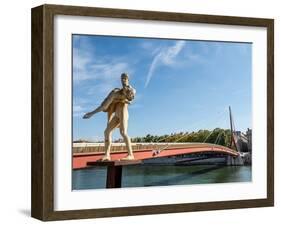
{"x": 114, "y": 171}
{"x": 114, "y": 177}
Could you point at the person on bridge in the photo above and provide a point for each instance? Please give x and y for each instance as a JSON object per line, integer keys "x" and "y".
{"x": 116, "y": 106}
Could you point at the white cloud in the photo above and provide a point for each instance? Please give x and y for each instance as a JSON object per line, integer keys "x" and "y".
{"x": 88, "y": 66}
{"x": 77, "y": 108}
{"x": 95, "y": 76}
{"x": 78, "y": 111}
{"x": 166, "y": 56}
{"x": 108, "y": 71}
{"x": 81, "y": 59}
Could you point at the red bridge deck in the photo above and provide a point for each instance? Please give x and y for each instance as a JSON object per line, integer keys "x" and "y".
{"x": 80, "y": 159}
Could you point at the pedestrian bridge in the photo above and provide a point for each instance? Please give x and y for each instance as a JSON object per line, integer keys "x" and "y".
{"x": 92, "y": 152}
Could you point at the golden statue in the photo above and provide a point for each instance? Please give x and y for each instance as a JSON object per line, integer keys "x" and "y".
{"x": 116, "y": 106}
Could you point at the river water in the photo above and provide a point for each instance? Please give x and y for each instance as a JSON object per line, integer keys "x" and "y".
{"x": 161, "y": 175}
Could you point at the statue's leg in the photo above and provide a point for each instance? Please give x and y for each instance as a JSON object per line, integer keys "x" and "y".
{"x": 124, "y": 134}
{"x": 109, "y": 100}
{"x": 104, "y": 105}
{"x": 91, "y": 113}
{"x": 111, "y": 125}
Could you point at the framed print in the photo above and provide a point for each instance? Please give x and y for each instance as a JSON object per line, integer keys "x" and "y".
{"x": 142, "y": 112}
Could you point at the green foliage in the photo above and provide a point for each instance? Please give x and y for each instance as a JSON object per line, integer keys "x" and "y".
{"x": 216, "y": 136}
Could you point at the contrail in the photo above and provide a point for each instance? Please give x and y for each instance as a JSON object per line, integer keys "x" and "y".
{"x": 164, "y": 57}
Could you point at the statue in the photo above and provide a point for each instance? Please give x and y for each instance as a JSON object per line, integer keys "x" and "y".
{"x": 116, "y": 106}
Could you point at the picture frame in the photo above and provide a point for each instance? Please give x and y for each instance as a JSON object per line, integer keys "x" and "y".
{"x": 43, "y": 108}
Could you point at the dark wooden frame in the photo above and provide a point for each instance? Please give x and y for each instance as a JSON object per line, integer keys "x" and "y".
{"x": 42, "y": 203}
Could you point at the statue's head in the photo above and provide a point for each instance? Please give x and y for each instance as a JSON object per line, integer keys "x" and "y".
{"x": 125, "y": 79}
{"x": 127, "y": 90}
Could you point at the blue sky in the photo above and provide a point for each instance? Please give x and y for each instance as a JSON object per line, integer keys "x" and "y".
{"x": 182, "y": 85}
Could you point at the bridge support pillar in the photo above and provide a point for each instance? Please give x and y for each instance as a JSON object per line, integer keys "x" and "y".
{"x": 234, "y": 161}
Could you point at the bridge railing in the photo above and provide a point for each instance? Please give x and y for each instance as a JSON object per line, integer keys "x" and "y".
{"x": 121, "y": 147}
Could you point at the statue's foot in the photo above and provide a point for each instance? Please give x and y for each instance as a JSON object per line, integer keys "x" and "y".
{"x": 128, "y": 157}
{"x": 87, "y": 115}
{"x": 105, "y": 158}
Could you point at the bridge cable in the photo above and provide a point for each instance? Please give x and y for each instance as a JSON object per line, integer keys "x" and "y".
{"x": 218, "y": 137}
{"x": 211, "y": 132}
